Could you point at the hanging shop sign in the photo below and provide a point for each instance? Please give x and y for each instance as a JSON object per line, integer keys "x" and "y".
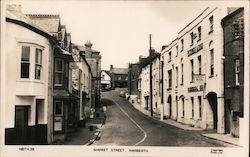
{"x": 199, "y": 79}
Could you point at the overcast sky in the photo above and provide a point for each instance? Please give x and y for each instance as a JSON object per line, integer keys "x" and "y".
{"x": 119, "y": 29}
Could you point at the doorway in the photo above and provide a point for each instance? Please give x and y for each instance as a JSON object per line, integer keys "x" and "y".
{"x": 21, "y": 124}
{"x": 170, "y": 105}
{"x": 212, "y": 99}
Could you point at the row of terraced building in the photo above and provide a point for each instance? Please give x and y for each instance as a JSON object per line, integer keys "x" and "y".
{"x": 51, "y": 84}
{"x": 198, "y": 78}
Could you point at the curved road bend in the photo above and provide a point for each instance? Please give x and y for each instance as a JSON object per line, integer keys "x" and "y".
{"x": 126, "y": 126}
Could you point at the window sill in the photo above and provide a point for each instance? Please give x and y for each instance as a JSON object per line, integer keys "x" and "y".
{"x": 198, "y": 40}
{"x": 211, "y": 76}
{"x": 192, "y": 81}
{"x": 181, "y": 84}
{"x": 191, "y": 45}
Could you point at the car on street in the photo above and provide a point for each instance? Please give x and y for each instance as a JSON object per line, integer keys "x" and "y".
{"x": 122, "y": 94}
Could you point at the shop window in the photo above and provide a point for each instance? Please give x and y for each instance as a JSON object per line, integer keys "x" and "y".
{"x": 192, "y": 103}
{"x": 38, "y": 64}
{"x": 200, "y": 107}
{"x": 25, "y": 62}
{"x": 58, "y": 108}
{"x": 192, "y": 69}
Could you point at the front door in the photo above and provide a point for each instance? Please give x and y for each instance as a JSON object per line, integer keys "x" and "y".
{"x": 21, "y": 124}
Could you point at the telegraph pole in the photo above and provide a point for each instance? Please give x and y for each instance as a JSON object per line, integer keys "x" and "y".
{"x": 150, "y": 76}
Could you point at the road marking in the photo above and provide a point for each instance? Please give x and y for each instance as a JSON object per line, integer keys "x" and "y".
{"x": 144, "y": 132}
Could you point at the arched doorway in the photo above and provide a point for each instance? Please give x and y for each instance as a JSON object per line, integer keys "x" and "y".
{"x": 170, "y": 105}
{"x": 212, "y": 99}
{"x": 182, "y": 98}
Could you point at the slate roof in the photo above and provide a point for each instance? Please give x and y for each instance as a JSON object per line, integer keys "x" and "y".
{"x": 49, "y": 22}
{"x": 17, "y": 15}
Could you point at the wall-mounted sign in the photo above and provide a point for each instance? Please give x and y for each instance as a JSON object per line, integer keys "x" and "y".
{"x": 195, "y": 49}
{"x": 199, "y": 78}
{"x": 196, "y": 88}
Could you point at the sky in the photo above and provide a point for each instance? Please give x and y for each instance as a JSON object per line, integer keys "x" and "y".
{"x": 120, "y": 29}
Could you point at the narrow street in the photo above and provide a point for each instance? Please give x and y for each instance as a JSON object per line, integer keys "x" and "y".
{"x": 126, "y": 126}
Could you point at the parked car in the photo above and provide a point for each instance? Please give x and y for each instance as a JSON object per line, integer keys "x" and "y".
{"x": 122, "y": 94}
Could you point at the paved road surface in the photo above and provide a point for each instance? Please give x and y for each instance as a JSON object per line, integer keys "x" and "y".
{"x": 126, "y": 126}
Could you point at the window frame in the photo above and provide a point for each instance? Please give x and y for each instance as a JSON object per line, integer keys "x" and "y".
{"x": 55, "y": 108}
{"x": 37, "y": 64}
{"x": 199, "y": 33}
{"x": 211, "y": 63}
{"x": 211, "y": 24}
{"x": 59, "y": 72}
{"x": 24, "y": 62}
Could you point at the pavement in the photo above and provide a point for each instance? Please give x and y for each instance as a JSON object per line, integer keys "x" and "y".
{"x": 211, "y": 134}
{"x": 85, "y": 135}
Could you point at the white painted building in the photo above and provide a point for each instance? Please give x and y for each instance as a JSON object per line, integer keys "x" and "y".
{"x": 144, "y": 87}
{"x": 198, "y": 50}
{"x": 105, "y": 80}
{"x": 156, "y": 97}
{"x": 28, "y": 75}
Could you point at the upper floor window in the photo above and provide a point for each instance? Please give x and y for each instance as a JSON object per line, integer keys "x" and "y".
{"x": 199, "y": 33}
{"x": 169, "y": 56}
{"x": 211, "y": 22}
{"x": 182, "y": 44}
{"x": 192, "y": 69}
{"x": 199, "y": 62}
{"x": 169, "y": 79}
{"x": 211, "y": 62}
{"x": 119, "y": 77}
{"x": 192, "y": 38}
{"x": 182, "y": 76}
{"x": 176, "y": 50}
{"x": 25, "y": 62}
{"x": 38, "y": 64}
{"x": 59, "y": 72}
{"x": 237, "y": 72}
{"x": 176, "y": 76}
